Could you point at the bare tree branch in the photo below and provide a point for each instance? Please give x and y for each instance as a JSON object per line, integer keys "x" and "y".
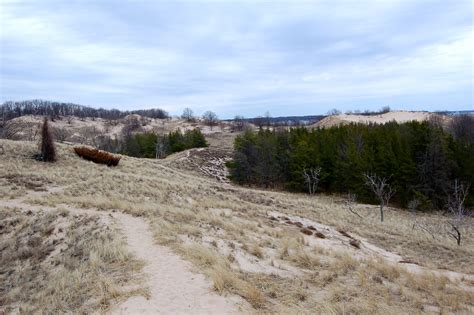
{"x": 457, "y": 210}
{"x": 382, "y": 190}
{"x": 350, "y": 202}
{"x": 311, "y": 178}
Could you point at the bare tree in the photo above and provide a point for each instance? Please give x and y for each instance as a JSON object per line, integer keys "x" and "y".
{"x": 385, "y": 109}
{"x": 161, "y": 147}
{"x": 268, "y": 119}
{"x": 350, "y": 202}
{"x": 2, "y": 150}
{"x": 210, "y": 119}
{"x": 382, "y": 190}
{"x": 462, "y": 128}
{"x": 311, "y": 178}
{"x": 333, "y": 112}
{"x": 259, "y": 122}
{"x": 413, "y": 207}
{"x": 238, "y": 123}
{"x": 187, "y": 114}
{"x": 457, "y": 210}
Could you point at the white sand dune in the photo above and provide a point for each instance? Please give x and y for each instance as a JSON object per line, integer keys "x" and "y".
{"x": 398, "y": 116}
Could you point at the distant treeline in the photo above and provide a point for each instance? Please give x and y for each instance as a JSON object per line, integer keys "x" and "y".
{"x": 420, "y": 159}
{"x": 10, "y": 110}
{"x": 151, "y": 145}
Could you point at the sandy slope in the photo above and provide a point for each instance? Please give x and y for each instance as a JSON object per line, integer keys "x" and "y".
{"x": 228, "y": 233}
{"x": 174, "y": 288}
{"x": 398, "y": 116}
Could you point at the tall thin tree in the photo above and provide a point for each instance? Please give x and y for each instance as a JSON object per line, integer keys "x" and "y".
{"x": 382, "y": 190}
{"x": 48, "y": 150}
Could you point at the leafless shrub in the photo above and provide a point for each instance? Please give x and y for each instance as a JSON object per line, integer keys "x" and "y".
{"x": 457, "y": 210}
{"x": 311, "y": 178}
{"x": 350, "y": 202}
{"x": 428, "y": 228}
{"x": 61, "y": 134}
{"x": 17, "y": 129}
{"x": 382, "y": 190}
{"x": 2, "y": 150}
{"x": 132, "y": 123}
{"x": 88, "y": 135}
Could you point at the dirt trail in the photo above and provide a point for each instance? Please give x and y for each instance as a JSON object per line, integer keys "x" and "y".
{"x": 174, "y": 288}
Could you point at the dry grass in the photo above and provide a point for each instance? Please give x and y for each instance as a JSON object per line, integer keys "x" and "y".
{"x": 226, "y": 233}
{"x": 53, "y": 262}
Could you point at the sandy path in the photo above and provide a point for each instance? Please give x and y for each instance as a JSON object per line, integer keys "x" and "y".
{"x": 174, "y": 288}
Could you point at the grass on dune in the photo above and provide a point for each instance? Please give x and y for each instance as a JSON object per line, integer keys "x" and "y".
{"x": 225, "y": 231}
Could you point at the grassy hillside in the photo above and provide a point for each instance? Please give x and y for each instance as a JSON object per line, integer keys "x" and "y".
{"x": 259, "y": 245}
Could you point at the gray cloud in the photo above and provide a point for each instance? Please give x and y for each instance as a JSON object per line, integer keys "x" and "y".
{"x": 240, "y": 57}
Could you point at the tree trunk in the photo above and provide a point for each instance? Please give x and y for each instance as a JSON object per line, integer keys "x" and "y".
{"x": 457, "y": 236}
{"x": 381, "y": 212}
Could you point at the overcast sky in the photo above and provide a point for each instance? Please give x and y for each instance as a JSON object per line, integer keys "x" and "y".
{"x": 246, "y": 57}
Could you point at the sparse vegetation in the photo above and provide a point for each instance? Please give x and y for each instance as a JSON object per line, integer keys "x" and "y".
{"x": 53, "y": 262}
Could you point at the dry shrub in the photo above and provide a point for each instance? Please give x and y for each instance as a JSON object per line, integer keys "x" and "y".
{"x": 305, "y": 260}
{"x": 97, "y": 156}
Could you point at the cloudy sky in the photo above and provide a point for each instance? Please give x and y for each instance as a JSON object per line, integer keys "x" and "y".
{"x": 246, "y": 57}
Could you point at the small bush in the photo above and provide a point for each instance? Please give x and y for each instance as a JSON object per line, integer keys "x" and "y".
{"x": 97, "y": 156}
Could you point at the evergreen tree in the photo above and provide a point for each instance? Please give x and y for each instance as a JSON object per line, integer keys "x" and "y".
{"x": 419, "y": 158}
{"x": 48, "y": 150}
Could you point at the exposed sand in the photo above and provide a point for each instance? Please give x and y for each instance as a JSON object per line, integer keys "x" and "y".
{"x": 398, "y": 116}
{"x": 174, "y": 288}
{"x": 335, "y": 240}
